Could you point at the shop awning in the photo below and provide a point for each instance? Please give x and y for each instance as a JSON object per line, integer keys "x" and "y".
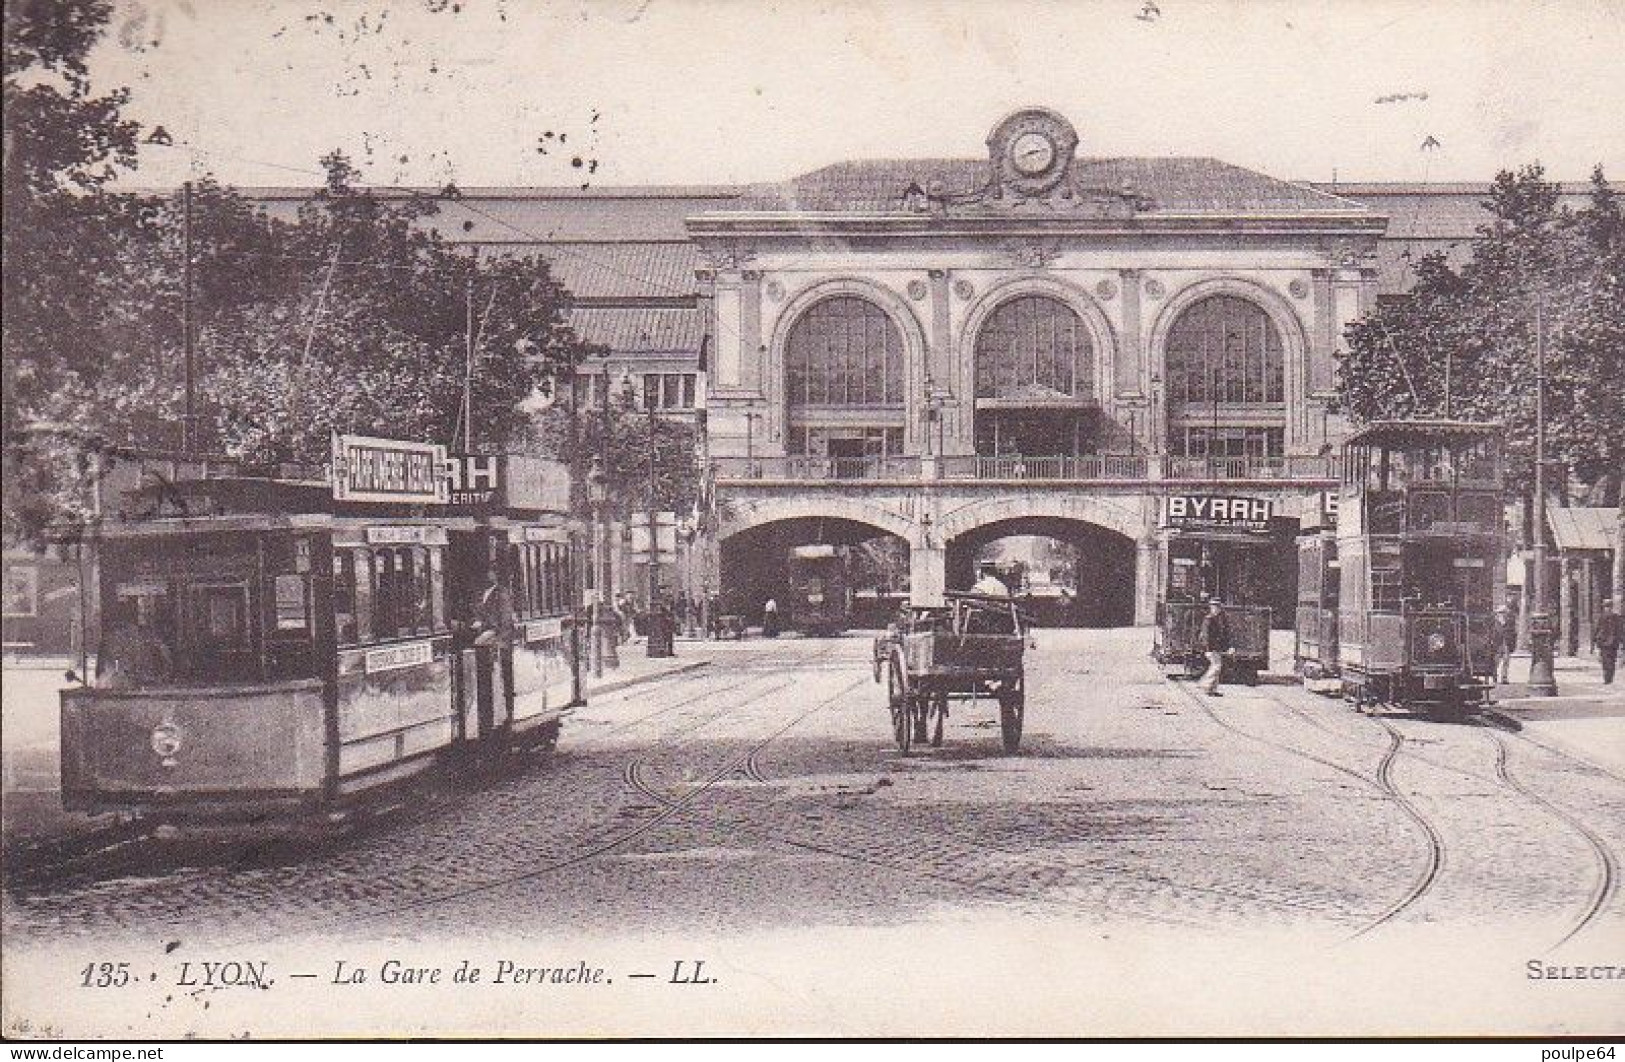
{"x": 1584, "y": 528}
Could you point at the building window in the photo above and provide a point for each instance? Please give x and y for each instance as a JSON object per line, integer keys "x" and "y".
{"x": 844, "y": 351}
{"x": 669, "y": 390}
{"x": 1032, "y": 345}
{"x": 1225, "y": 363}
{"x": 1226, "y": 350}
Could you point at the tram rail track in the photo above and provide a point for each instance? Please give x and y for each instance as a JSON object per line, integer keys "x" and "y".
{"x": 1607, "y": 879}
{"x": 1433, "y": 857}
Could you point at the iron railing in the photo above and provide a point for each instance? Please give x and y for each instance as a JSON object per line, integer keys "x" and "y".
{"x": 1083, "y": 467}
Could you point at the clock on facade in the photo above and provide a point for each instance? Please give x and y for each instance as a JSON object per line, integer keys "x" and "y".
{"x": 1032, "y": 153}
{"x": 1031, "y": 150}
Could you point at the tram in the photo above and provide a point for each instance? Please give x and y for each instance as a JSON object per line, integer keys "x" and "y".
{"x": 1219, "y": 547}
{"x": 1420, "y": 541}
{"x": 1314, "y": 652}
{"x": 820, "y": 589}
{"x": 281, "y": 647}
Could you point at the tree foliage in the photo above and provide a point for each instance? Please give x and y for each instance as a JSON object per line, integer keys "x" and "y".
{"x": 1463, "y": 343}
{"x": 615, "y": 445}
{"x": 353, "y": 316}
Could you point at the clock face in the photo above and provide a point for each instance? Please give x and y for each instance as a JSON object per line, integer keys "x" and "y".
{"x": 1032, "y": 153}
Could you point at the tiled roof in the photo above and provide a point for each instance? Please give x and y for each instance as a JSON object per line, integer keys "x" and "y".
{"x": 625, "y": 270}
{"x": 1191, "y": 185}
{"x": 637, "y": 330}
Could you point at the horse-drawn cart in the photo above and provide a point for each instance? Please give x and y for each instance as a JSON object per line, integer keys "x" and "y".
{"x": 970, "y": 649}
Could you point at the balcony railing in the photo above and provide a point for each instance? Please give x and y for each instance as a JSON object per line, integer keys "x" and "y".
{"x": 1297, "y": 467}
{"x": 1083, "y": 467}
{"x": 817, "y": 468}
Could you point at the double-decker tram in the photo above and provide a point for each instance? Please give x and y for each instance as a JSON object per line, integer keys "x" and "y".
{"x": 274, "y": 647}
{"x": 1216, "y": 547}
{"x": 1314, "y": 652}
{"x": 1420, "y": 545}
{"x": 820, "y": 588}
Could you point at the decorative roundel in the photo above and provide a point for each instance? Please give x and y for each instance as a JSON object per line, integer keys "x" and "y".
{"x": 964, "y": 288}
{"x": 1154, "y": 289}
{"x": 775, "y": 291}
{"x": 1106, "y": 289}
{"x": 916, "y": 290}
{"x": 1298, "y": 289}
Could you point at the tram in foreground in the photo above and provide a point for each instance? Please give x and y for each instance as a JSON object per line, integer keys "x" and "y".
{"x": 1215, "y": 547}
{"x": 1420, "y": 544}
{"x": 820, "y": 589}
{"x": 273, "y": 648}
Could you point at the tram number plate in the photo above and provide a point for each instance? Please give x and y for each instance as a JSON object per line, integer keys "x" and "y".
{"x": 394, "y": 657}
{"x": 541, "y": 630}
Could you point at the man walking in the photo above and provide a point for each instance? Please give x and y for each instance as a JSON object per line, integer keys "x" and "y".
{"x": 1608, "y": 637}
{"x": 1214, "y": 641}
{"x": 1506, "y": 640}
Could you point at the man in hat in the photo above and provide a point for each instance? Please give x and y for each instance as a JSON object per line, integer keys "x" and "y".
{"x": 1608, "y": 637}
{"x": 1506, "y": 639}
{"x": 1214, "y": 641}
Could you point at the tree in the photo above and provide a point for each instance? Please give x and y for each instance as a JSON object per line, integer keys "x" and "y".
{"x": 616, "y": 441}
{"x": 1462, "y": 344}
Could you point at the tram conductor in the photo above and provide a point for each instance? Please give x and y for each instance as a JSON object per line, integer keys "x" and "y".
{"x": 1214, "y": 641}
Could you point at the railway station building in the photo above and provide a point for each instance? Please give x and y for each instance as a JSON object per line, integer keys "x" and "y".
{"x": 1025, "y": 340}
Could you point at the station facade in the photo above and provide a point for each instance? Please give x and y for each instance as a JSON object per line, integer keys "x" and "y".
{"x": 946, "y": 350}
{"x": 1027, "y": 339}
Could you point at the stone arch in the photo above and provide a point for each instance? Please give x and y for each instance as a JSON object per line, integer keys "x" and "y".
{"x": 888, "y": 301}
{"x": 1080, "y": 301}
{"x": 1123, "y": 514}
{"x": 1288, "y": 325}
{"x": 744, "y": 515}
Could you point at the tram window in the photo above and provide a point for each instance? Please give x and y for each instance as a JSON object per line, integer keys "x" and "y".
{"x": 366, "y": 596}
{"x": 421, "y": 604}
{"x": 345, "y": 627}
{"x": 437, "y": 589}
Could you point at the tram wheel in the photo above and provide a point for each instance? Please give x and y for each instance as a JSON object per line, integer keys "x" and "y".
{"x": 899, "y": 702}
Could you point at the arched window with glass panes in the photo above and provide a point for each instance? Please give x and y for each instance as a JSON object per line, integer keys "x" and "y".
{"x": 1035, "y": 385}
{"x": 843, "y": 364}
{"x": 1226, "y": 373}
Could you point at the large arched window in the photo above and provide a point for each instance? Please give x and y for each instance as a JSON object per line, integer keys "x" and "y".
{"x": 1225, "y": 349}
{"x": 1226, "y": 380}
{"x": 844, "y": 351}
{"x": 1034, "y": 345}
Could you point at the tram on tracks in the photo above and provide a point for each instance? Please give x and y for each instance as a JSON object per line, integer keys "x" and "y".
{"x": 1420, "y": 544}
{"x": 820, "y": 594}
{"x": 1314, "y": 651}
{"x": 281, "y": 648}
{"x": 1215, "y": 547}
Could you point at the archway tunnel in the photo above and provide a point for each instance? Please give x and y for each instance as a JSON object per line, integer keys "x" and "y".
{"x": 1071, "y": 573}
{"x": 756, "y": 564}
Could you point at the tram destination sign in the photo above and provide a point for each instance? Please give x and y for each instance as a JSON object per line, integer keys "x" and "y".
{"x": 369, "y": 469}
{"x": 1207, "y": 512}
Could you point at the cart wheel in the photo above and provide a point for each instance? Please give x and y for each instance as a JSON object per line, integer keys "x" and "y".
{"x": 899, "y": 702}
{"x": 876, "y": 663}
{"x": 1012, "y": 708}
{"x": 939, "y": 708}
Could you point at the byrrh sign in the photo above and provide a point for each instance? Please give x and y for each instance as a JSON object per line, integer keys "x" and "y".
{"x": 1205, "y": 512}
{"x": 369, "y": 469}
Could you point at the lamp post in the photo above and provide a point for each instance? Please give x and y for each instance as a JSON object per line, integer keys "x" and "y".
{"x": 1542, "y": 679}
{"x": 596, "y": 495}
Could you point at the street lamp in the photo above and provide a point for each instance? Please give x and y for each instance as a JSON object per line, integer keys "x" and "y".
{"x": 1542, "y": 676}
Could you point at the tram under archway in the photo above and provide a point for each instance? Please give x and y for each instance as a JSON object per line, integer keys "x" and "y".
{"x": 755, "y": 565}
{"x": 1074, "y": 574}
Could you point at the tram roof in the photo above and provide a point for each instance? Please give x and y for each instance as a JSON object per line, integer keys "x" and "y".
{"x": 1390, "y": 432}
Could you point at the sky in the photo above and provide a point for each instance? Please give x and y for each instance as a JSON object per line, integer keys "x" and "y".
{"x": 618, "y": 92}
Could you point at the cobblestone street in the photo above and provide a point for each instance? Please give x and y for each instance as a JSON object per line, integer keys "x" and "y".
{"x": 763, "y": 791}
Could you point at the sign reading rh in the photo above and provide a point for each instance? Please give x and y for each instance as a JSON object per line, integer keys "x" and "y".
{"x": 372, "y": 469}
{"x": 1200, "y": 511}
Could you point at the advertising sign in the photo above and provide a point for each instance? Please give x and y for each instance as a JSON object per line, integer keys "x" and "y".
{"x": 485, "y": 482}
{"x": 368, "y": 469}
{"x": 1206, "y": 512}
